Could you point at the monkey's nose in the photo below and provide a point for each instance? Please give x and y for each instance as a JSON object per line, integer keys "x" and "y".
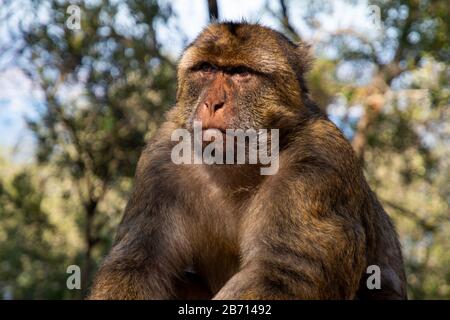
{"x": 214, "y": 106}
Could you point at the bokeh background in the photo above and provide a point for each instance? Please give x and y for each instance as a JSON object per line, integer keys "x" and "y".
{"x": 76, "y": 107}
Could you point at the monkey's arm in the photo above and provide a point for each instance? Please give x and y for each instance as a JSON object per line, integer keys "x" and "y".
{"x": 150, "y": 248}
{"x": 302, "y": 243}
{"x": 147, "y": 258}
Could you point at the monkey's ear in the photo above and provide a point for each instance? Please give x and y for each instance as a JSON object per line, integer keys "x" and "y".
{"x": 304, "y": 56}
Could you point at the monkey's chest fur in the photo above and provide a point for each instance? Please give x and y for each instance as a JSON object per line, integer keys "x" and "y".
{"x": 215, "y": 224}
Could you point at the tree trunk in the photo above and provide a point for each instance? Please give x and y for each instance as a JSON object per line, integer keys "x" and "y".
{"x": 213, "y": 10}
{"x": 89, "y": 243}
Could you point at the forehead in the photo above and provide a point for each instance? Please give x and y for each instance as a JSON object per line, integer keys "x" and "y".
{"x": 231, "y": 44}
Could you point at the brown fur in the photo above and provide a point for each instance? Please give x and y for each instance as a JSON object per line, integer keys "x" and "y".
{"x": 307, "y": 232}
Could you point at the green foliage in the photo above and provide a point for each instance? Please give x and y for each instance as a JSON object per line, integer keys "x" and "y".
{"x": 106, "y": 86}
{"x": 32, "y": 265}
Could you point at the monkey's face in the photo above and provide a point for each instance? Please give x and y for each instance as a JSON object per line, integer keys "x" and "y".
{"x": 223, "y": 97}
{"x": 239, "y": 76}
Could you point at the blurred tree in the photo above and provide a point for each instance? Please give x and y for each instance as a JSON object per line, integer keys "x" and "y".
{"x": 106, "y": 87}
{"x": 32, "y": 262}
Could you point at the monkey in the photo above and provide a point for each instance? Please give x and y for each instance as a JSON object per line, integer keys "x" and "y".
{"x": 219, "y": 231}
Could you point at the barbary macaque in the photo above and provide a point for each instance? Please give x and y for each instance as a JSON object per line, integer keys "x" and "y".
{"x": 307, "y": 230}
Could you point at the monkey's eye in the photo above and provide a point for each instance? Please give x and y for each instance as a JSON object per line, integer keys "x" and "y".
{"x": 240, "y": 72}
{"x": 205, "y": 67}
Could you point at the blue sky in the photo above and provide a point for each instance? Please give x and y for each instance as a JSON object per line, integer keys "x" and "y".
{"x": 18, "y": 96}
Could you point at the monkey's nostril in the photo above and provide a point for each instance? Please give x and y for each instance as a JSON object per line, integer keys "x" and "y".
{"x": 217, "y": 106}
{"x": 214, "y": 106}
